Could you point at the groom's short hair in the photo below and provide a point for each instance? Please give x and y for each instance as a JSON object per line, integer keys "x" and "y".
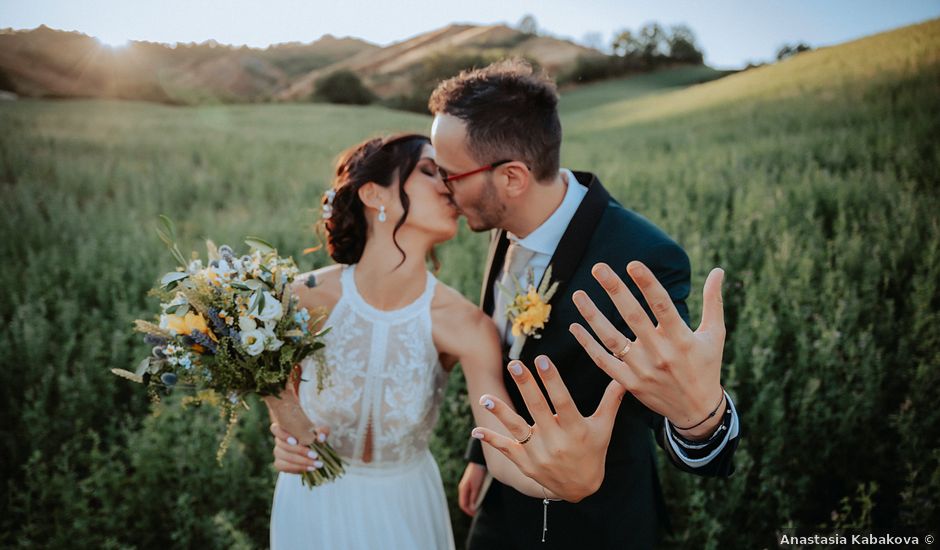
{"x": 511, "y": 113}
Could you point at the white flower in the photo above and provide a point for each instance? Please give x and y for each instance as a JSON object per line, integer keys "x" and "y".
{"x": 253, "y": 340}
{"x": 195, "y": 265}
{"x": 246, "y": 323}
{"x": 273, "y": 344}
{"x": 272, "y": 308}
{"x": 224, "y": 270}
{"x": 271, "y": 341}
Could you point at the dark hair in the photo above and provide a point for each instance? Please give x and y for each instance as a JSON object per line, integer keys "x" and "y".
{"x": 511, "y": 112}
{"x": 375, "y": 160}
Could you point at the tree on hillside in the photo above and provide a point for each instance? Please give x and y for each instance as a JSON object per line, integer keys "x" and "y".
{"x": 654, "y": 41}
{"x": 682, "y": 45}
{"x": 640, "y": 51}
{"x": 626, "y": 44}
{"x": 528, "y": 25}
{"x": 343, "y": 87}
{"x": 789, "y": 50}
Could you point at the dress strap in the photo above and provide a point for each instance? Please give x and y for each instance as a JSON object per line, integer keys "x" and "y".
{"x": 394, "y": 316}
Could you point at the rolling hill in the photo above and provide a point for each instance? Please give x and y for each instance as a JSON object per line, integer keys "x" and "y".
{"x": 391, "y": 70}
{"x": 44, "y": 62}
{"x": 845, "y": 72}
{"x": 48, "y": 63}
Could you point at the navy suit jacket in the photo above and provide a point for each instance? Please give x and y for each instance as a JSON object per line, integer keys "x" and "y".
{"x": 628, "y": 509}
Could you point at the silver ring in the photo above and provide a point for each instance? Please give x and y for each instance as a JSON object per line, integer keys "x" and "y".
{"x": 527, "y": 437}
{"x": 619, "y": 355}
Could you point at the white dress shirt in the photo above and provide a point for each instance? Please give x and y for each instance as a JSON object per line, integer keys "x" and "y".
{"x": 543, "y": 242}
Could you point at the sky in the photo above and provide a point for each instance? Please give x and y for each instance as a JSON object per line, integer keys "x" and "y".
{"x": 731, "y": 32}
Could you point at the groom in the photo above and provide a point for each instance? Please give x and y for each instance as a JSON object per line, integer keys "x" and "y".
{"x": 497, "y": 138}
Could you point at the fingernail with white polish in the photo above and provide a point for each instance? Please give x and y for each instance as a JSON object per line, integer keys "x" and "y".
{"x": 541, "y": 362}
{"x": 312, "y": 454}
{"x": 292, "y": 440}
{"x": 318, "y": 464}
{"x": 321, "y": 438}
{"x": 487, "y": 403}
{"x": 515, "y": 367}
{"x": 477, "y": 433}
{"x": 310, "y": 468}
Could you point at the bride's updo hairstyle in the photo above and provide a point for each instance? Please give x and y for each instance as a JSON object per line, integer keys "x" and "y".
{"x": 381, "y": 161}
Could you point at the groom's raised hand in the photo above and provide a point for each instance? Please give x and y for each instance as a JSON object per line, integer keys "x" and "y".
{"x": 670, "y": 369}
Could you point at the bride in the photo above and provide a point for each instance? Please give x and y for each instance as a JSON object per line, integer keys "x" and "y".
{"x": 396, "y": 333}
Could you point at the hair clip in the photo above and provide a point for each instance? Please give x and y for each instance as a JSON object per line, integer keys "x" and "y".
{"x": 328, "y": 207}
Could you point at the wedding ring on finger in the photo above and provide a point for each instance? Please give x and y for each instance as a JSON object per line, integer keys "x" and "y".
{"x": 620, "y": 354}
{"x": 526, "y": 439}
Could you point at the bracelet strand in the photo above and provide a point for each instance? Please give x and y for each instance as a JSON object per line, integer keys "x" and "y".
{"x": 711, "y": 414}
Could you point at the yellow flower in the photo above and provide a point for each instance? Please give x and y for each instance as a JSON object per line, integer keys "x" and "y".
{"x": 533, "y": 313}
{"x": 185, "y": 325}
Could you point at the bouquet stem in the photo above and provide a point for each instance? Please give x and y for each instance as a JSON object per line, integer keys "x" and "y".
{"x": 332, "y": 466}
{"x": 288, "y": 414}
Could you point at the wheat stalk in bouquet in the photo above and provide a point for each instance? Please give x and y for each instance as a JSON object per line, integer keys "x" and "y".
{"x": 231, "y": 328}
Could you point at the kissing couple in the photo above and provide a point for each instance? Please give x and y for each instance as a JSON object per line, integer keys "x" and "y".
{"x": 561, "y": 456}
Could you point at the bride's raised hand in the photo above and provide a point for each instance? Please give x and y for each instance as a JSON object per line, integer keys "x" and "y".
{"x": 565, "y": 452}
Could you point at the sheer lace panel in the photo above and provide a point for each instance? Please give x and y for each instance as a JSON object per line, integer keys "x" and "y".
{"x": 385, "y": 378}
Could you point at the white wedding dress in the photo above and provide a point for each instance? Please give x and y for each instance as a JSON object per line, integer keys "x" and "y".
{"x": 384, "y": 370}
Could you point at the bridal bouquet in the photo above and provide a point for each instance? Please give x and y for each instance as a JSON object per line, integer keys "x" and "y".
{"x": 229, "y": 329}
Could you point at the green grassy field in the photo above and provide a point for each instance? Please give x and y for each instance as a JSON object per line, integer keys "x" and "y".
{"x": 813, "y": 183}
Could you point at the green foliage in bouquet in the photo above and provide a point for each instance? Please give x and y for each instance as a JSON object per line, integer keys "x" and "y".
{"x": 229, "y": 329}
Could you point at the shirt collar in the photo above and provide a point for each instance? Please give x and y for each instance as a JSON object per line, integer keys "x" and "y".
{"x": 545, "y": 238}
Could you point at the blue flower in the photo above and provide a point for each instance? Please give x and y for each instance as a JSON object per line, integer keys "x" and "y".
{"x": 204, "y": 341}
{"x": 154, "y": 340}
{"x": 168, "y": 378}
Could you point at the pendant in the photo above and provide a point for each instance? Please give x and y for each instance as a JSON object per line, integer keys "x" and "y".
{"x": 544, "y": 518}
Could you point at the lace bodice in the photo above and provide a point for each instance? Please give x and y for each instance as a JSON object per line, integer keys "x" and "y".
{"x": 384, "y": 369}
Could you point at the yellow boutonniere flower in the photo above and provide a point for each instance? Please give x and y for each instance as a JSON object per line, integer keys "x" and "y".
{"x": 529, "y": 310}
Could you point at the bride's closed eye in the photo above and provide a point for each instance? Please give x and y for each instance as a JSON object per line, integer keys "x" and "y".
{"x": 429, "y": 168}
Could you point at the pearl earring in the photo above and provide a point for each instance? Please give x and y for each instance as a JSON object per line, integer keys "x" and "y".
{"x": 382, "y": 216}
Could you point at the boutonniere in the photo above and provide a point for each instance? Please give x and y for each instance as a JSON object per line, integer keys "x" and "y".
{"x": 529, "y": 309}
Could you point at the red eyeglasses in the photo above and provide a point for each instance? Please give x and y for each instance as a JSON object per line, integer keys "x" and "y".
{"x": 450, "y": 179}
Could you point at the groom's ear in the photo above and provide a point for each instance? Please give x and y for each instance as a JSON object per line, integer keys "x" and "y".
{"x": 517, "y": 179}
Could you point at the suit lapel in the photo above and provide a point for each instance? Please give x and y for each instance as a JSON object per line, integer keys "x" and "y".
{"x": 573, "y": 244}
